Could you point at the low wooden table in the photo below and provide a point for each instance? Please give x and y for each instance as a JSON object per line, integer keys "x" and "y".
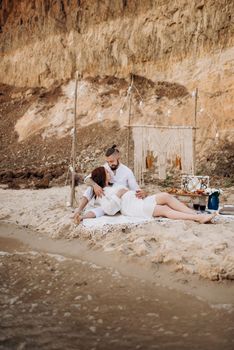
{"x": 191, "y": 199}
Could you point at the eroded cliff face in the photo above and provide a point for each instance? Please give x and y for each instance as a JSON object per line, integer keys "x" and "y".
{"x": 168, "y": 45}
{"x": 46, "y": 41}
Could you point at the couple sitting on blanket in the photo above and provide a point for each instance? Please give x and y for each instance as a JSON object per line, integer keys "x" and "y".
{"x": 115, "y": 188}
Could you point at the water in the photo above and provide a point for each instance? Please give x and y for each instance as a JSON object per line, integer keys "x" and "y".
{"x": 53, "y": 302}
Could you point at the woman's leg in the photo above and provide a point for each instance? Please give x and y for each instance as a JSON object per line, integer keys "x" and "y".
{"x": 167, "y": 199}
{"x": 165, "y": 211}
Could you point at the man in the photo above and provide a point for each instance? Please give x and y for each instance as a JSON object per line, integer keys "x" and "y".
{"x": 120, "y": 174}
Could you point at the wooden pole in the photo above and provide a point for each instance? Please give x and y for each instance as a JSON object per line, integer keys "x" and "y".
{"x": 73, "y": 172}
{"x": 129, "y": 120}
{"x": 195, "y": 132}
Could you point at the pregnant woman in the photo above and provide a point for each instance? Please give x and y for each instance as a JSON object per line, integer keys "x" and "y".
{"x": 119, "y": 198}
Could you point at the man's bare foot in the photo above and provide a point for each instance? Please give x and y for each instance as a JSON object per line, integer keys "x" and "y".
{"x": 205, "y": 219}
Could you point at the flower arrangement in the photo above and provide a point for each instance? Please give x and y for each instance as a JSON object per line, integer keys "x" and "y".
{"x": 216, "y": 191}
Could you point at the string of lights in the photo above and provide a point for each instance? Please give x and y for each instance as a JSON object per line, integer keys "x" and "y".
{"x": 150, "y": 100}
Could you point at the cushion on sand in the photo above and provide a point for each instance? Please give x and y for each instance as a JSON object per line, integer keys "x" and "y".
{"x": 227, "y": 210}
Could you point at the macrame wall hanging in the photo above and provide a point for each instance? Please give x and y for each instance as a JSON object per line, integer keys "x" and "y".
{"x": 162, "y": 148}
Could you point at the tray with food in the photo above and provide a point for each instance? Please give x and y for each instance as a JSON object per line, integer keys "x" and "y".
{"x": 182, "y": 192}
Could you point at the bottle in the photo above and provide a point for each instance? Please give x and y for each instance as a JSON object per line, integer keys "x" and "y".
{"x": 213, "y": 201}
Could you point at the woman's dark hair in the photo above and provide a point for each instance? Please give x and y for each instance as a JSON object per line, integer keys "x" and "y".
{"x": 111, "y": 151}
{"x": 98, "y": 175}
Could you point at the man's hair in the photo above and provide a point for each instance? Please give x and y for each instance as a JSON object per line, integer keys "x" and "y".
{"x": 111, "y": 150}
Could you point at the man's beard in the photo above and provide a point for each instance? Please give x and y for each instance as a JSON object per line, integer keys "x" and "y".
{"x": 114, "y": 166}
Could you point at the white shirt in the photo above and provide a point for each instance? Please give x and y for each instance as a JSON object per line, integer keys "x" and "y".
{"x": 123, "y": 176}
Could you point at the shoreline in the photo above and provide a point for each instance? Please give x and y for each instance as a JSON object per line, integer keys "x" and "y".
{"x": 194, "y": 258}
{"x": 219, "y": 294}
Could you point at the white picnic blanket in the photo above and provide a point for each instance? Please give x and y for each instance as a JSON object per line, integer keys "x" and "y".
{"x": 118, "y": 219}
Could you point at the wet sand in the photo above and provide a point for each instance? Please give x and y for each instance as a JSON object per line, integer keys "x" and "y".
{"x": 54, "y": 301}
{"x": 213, "y": 292}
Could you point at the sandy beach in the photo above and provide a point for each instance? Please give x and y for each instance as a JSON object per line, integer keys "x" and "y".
{"x": 205, "y": 251}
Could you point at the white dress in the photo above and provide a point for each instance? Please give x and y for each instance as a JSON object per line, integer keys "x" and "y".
{"x": 128, "y": 204}
{"x": 110, "y": 202}
{"x": 133, "y": 206}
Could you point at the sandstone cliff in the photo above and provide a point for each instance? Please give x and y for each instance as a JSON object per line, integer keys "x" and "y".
{"x": 172, "y": 47}
{"x": 44, "y": 41}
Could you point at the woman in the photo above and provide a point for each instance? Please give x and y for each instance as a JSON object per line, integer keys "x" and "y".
{"x": 119, "y": 198}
